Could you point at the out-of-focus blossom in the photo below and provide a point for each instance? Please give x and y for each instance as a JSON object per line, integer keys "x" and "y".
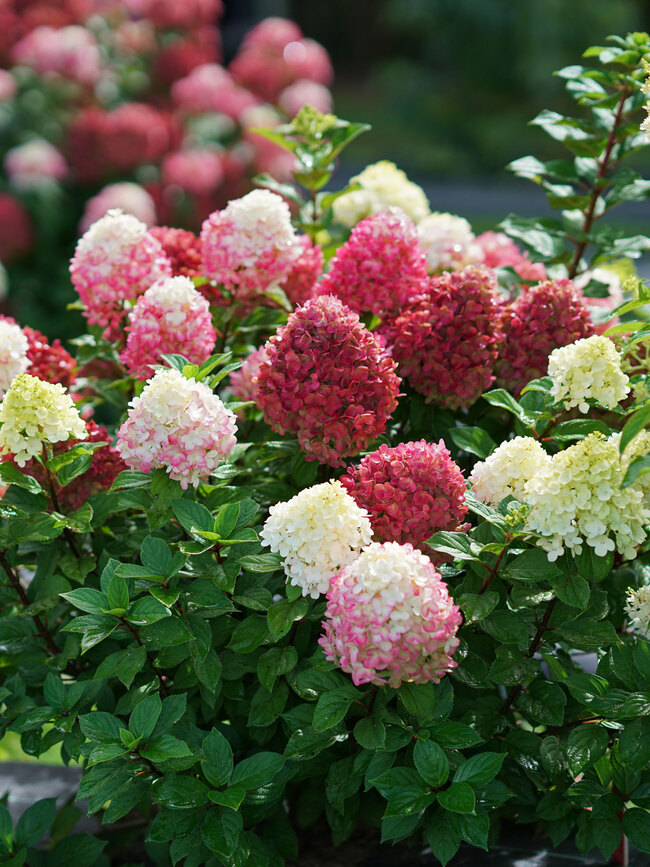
{"x": 211, "y": 88}
{"x": 390, "y": 618}
{"x": 383, "y": 186}
{"x": 171, "y": 317}
{"x": 448, "y": 242}
{"x": 198, "y": 171}
{"x": 176, "y": 15}
{"x": 243, "y": 382}
{"x": 300, "y": 283}
{"x": 71, "y": 52}
{"x": 305, "y": 92}
{"x": 7, "y": 86}
{"x": 318, "y": 532}
{"x": 34, "y": 164}
{"x": 328, "y": 380}
{"x": 380, "y": 267}
{"x": 128, "y": 197}
{"x": 16, "y": 232}
{"x": 177, "y": 424}
{"x": 500, "y": 251}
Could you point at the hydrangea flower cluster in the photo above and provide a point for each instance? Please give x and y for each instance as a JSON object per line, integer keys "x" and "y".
{"x": 505, "y": 472}
{"x": 243, "y": 382}
{"x": 448, "y": 242}
{"x": 328, "y": 380}
{"x": 13, "y": 353}
{"x": 34, "y": 412}
{"x": 500, "y": 251}
{"x": 577, "y": 498}
{"x": 170, "y": 317}
{"x": 380, "y": 267}
{"x": 318, "y": 532}
{"x": 34, "y": 164}
{"x": 589, "y": 369}
{"x": 637, "y": 608}
{"x": 383, "y": 186}
{"x": 177, "y": 424}
{"x": 182, "y": 248}
{"x": 390, "y": 618}
{"x": 198, "y": 171}
{"x": 116, "y": 260}
{"x": 128, "y": 197}
{"x": 410, "y": 491}
{"x": 446, "y": 337}
{"x": 543, "y": 317}
{"x": 300, "y": 283}
{"x": 250, "y": 245}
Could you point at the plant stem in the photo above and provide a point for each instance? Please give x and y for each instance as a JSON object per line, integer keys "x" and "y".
{"x": 24, "y": 598}
{"x": 532, "y": 650}
{"x": 598, "y": 186}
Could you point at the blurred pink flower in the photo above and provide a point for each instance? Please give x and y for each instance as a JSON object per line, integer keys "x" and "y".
{"x": 305, "y": 92}
{"x": 199, "y": 171}
{"x": 34, "y": 163}
{"x": 128, "y": 197}
{"x": 71, "y": 52}
{"x": 7, "y": 86}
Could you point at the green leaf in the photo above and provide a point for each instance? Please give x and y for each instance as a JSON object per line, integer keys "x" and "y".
{"x": 578, "y": 429}
{"x": 634, "y": 425}
{"x": 217, "y": 761}
{"x": 165, "y": 747}
{"x": 77, "y": 850}
{"x": 586, "y": 744}
{"x": 419, "y": 699}
{"x": 474, "y": 440}
{"x": 249, "y": 634}
{"x": 332, "y": 707}
{"x": 638, "y": 467}
{"x": 155, "y": 555}
{"x": 458, "y": 798}
{"x": 257, "y": 770}
{"x": 454, "y": 736}
{"x": 220, "y": 831}
{"x": 182, "y": 792}
{"x": 511, "y": 667}
{"x": 370, "y": 733}
{"x": 118, "y": 593}
{"x": 192, "y": 516}
{"x": 226, "y": 520}
{"x": 572, "y": 590}
{"x": 636, "y": 824}
{"x": 282, "y": 615}
{"x": 274, "y": 663}
{"x": 146, "y": 610}
{"x": 229, "y": 797}
{"x": 431, "y": 763}
{"x": 87, "y": 599}
{"x": 144, "y": 716}
{"x": 100, "y": 726}
{"x": 531, "y": 565}
{"x": 543, "y": 703}
{"x": 261, "y": 562}
{"x": 442, "y": 837}
{"x": 475, "y": 607}
{"x": 456, "y": 544}
{"x": 93, "y": 628}
{"x": 165, "y": 633}
{"x": 11, "y": 475}
{"x": 124, "y": 664}
{"x": 35, "y": 822}
{"x": 480, "y": 769}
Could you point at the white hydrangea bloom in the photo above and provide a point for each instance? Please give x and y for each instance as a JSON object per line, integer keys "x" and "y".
{"x": 112, "y": 232}
{"x": 34, "y": 412}
{"x": 505, "y": 472}
{"x": 383, "y": 186}
{"x": 318, "y": 532}
{"x": 177, "y": 299}
{"x": 13, "y": 353}
{"x": 588, "y": 368}
{"x": 262, "y": 221}
{"x": 448, "y": 242}
{"x": 577, "y": 498}
{"x": 637, "y": 607}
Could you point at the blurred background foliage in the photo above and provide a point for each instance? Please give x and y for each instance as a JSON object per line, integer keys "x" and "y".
{"x": 449, "y": 86}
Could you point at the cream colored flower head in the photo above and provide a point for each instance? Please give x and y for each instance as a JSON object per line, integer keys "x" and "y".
{"x": 577, "y": 498}
{"x": 13, "y": 353}
{"x": 318, "y": 532}
{"x": 448, "y": 242}
{"x": 383, "y": 186}
{"x": 505, "y": 472}
{"x": 34, "y": 412}
{"x": 588, "y": 369}
{"x": 637, "y": 608}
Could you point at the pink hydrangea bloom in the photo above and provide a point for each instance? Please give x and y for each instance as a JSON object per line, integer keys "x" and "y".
{"x": 390, "y": 618}
{"x": 171, "y": 317}
{"x": 177, "y": 424}
{"x": 209, "y": 88}
{"x": 175, "y": 15}
{"x": 130, "y": 198}
{"x": 34, "y": 163}
{"x": 500, "y": 251}
{"x": 328, "y": 380}
{"x": 7, "y": 86}
{"x": 544, "y": 317}
{"x": 71, "y": 52}
{"x": 272, "y": 33}
{"x": 116, "y": 260}
{"x": 199, "y": 171}
{"x": 250, "y": 245}
{"x": 305, "y": 92}
{"x": 410, "y": 491}
{"x": 307, "y": 268}
{"x": 380, "y": 267}
{"x": 445, "y": 339}
{"x": 243, "y": 382}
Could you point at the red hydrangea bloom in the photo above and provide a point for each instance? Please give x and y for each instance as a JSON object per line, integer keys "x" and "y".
{"x": 137, "y": 133}
{"x": 328, "y": 380}
{"x": 49, "y": 361}
{"x": 500, "y": 251}
{"x": 105, "y": 467}
{"x": 178, "y": 58}
{"x": 182, "y": 248}
{"x": 380, "y": 267}
{"x": 446, "y": 337}
{"x": 172, "y": 15}
{"x": 410, "y": 491}
{"x": 544, "y": 317}
{"x": 301, "y": 282}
